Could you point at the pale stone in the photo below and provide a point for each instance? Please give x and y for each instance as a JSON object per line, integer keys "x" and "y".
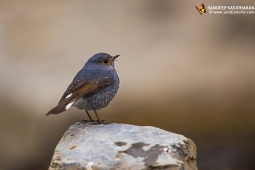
{"x": 122, "y": 146}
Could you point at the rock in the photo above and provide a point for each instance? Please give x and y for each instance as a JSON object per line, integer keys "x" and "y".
{"x": 122, "y": 146}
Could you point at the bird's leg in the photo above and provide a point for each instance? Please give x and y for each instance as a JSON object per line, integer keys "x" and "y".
{"x": 97, "y": 116}
{"x": 89, "y": 116}
{"x": 100, "y": 121}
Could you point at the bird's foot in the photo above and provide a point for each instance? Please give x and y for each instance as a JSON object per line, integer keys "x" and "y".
{"x": 103, "y": 122}
{"x": 93, "y": 122}
{"x": 84, "y": 121}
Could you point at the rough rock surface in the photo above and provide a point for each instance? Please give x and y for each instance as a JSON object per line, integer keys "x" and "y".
{"x": 122, "y": 146}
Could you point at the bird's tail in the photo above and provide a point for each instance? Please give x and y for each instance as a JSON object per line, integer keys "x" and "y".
{"x": 61, "y": 107}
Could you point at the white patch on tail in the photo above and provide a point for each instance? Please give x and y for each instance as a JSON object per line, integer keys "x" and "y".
{"x": 69, "y": 105}
{"x": 69, "y": 95}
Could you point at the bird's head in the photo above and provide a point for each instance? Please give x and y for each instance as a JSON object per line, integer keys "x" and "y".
{"x": 103, "y": 60}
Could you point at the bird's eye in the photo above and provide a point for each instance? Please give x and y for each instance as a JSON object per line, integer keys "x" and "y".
{"x": 106, "y": 61}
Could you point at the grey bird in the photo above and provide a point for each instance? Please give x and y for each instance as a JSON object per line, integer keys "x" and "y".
{"x": 93, "y": 87}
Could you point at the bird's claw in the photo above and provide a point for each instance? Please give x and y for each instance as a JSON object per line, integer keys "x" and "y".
{"x": 95, "y": 122}
{"x": 103, "y": 122}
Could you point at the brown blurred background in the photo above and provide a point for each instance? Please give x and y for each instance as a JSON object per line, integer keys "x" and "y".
{"x": 179, "y": 71}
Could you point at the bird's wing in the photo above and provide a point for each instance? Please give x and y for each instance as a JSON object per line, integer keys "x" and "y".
{"x": 76, "y": 90}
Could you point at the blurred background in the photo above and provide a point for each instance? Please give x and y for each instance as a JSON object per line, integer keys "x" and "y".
{"x": 179, "y": 71}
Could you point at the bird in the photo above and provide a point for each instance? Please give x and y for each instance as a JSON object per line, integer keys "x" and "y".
{"x": 201, "y": 9}
{"x": 93, "y": 87}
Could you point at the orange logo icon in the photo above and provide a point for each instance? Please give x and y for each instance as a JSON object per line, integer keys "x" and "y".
{"x": 201, "y": 9}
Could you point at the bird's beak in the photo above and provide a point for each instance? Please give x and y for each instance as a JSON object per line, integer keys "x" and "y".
{"x": 114, "y": 57}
